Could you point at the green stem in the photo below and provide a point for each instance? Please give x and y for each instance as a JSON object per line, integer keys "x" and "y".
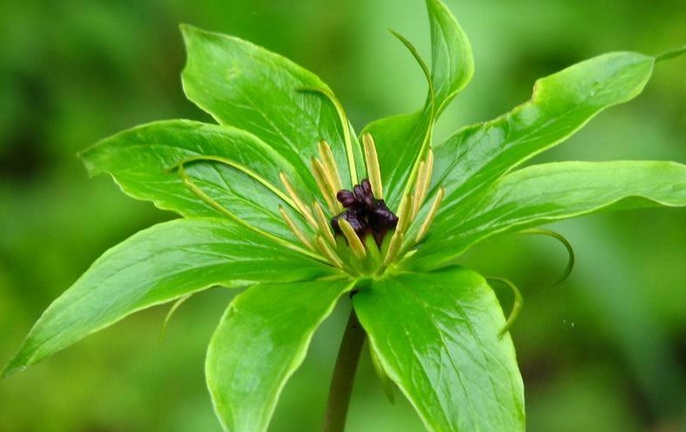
{"x": 344, "y": 375}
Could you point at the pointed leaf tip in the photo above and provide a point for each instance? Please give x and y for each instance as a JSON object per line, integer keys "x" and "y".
{"x": 154, "y": 266}
{"x": 671, "y": 54}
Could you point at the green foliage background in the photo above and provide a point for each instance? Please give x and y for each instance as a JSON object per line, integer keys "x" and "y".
{"x": 604, "y": 352}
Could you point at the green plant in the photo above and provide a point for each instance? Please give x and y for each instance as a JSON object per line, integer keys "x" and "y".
{"x": 245, "y": 189}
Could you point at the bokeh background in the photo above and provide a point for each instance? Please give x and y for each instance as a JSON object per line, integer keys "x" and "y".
{"x": 604, "y": 352}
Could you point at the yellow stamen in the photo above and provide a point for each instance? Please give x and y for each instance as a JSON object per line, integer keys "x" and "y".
{"x": 324, "y": 225}
{"x": 326, "y": 188}
{"x": 373, "y": 170}
{"x": 330, "y": 164}
{"x": 354, "y": 242}
{"x": 302, "y": 208}
{"x": 430, "y": 216}
{"x": 393, "y": 248}
{"x": 296, "y": 230}
{"x": 404, "y": 214}
{"x": 418, "y": 186}
{"x": 423, "y": 182}
{"x": 325, "y": 249}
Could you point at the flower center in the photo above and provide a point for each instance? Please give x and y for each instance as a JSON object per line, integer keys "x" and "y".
{"x": 365, "y": 214}
{"x": 364, "y": 236}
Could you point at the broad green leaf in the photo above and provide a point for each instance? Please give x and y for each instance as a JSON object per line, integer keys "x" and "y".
{"x": 260, "y": 342}
{"x": 544, "y": 193}
{"x": 452, "y": 63}
{"x": 436, "y": 335}
{"x": 250, "y": 88}
{"x": 157, "y": 265}
{"x": 141, "y": 161}
{"x": 561, "y": 104}
{"x": 401, "y": 138}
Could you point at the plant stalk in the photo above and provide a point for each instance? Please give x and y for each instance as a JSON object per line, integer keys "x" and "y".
{"x": 344, "y": 375}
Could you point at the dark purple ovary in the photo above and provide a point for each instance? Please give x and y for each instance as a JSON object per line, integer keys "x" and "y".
{"x": 364, "y": 213}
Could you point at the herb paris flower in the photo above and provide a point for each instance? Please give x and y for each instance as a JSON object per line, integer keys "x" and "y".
{"x": 282, "y": 197}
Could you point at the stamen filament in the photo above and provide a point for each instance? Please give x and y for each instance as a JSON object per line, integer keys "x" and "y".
{"x": 354, "y": 241}
{"x": 430, "y": 216}
{"x": 373, "y": 169}
{"x": 299, "y": 205}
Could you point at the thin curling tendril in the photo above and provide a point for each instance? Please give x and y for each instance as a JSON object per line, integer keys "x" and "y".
{"x": 516, "y": 304}
{"x": 570, "y": 252}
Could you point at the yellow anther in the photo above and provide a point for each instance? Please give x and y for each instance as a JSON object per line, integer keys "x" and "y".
{"x": 373, "y": 169}
{"x": 295, "y": 229}
{"x": 325, "y": 249}
{"x": 393, "y": 248}
{"x": 423, "y": 182}
{"x": 301, "y": 207}
{"x": 331, "y": 170}
{"x": 354, "y": 242}
{"x": 430, "y": 216}
{"x": 323, "y": 222}
{"x": 404, "y": 214}
{"x": 324, "y": 186}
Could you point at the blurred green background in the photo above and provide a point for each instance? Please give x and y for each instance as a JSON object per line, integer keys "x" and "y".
{"x": 604, "y": 352}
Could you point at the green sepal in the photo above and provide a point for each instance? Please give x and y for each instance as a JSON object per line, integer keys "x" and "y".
{"x": 436, "y": 336}
{"x": 234, "y": 168}
{"x": 154, "y": 266}
{"x": 550, "y": 192}
{"x": 561, "y": 104}
{"x": 248, "y": 87}
{"x": 260, "y": 342}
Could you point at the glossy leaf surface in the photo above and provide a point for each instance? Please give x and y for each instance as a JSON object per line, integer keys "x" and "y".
{"x": 400, "y": 138}
{"x": 143, "y": 160}
{"x": 452, "y": 63}
{"x": 544, "y": 193}
{"x": 561, "y": 104}
{"x": 436, "y": 335}
{"x": 251, "y": 88}
{"x": 260, "y": 342}
{"x": 154, "y": 266}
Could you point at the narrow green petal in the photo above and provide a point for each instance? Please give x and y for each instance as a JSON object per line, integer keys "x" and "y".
{"x": 260, "y": 342}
